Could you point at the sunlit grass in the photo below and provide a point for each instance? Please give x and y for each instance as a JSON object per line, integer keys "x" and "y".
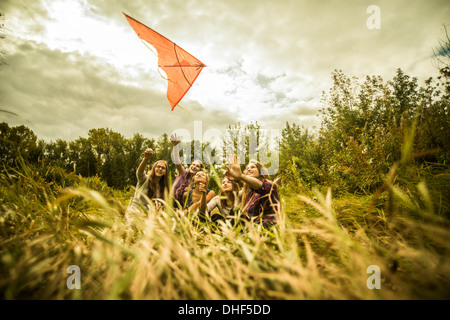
{"x": 321, "y": 249}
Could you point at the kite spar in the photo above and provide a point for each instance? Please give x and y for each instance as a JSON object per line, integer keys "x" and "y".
{"x": 181, "y": 68}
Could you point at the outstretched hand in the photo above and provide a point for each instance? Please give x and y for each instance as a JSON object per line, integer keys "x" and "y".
{"x": 233, "y": 171}
{"x": 174, "y": 139}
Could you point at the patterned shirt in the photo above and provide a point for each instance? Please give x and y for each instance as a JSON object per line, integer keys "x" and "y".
{"x": 261, "y": 204}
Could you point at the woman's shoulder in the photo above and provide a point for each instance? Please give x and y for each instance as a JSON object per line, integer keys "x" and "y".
{"x": 216, "y": 198}
{"x": 141, "y": 175}
{"x": 210, "y": 193}
{"x": 213, "y": 203}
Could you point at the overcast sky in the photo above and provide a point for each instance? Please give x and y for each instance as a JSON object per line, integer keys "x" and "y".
{"x": 77, "y": 65}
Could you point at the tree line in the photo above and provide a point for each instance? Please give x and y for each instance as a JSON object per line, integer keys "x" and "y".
{"x": 108, "y": 154}
{"x": 104, "y": 153}
{"x": 364, "y": 128}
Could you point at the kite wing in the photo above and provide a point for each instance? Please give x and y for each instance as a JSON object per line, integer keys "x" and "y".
{"x": 181, "y": 68}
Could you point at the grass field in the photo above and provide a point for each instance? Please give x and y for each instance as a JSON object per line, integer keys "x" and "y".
{"x": 322, "y": 248}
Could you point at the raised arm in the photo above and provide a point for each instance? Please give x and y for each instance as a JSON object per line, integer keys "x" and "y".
{"x": 176, "y": 153}
{"x": 148, "y": 153}
{"x": 205, "y": 197}
{"x": 234, "y": 172}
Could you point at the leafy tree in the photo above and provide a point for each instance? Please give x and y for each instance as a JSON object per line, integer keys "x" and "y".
{"x": 134, "y": 150}
{"x": 442, "y": 62}
{"x": 57, "y": 153}
{"x": 363, "y": 129}
{"x": 300, "y": 157}
{"x": 82, "y": 158}
{"x": 17, "y": 142}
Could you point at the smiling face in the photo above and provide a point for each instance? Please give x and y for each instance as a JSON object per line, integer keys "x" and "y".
{"x": 200, "y": 177}
{"x": 226, "y": 185}
{"x": 195, "y": 167}
{"x": 160, "y": 168}
{"x": 252, "y": 170}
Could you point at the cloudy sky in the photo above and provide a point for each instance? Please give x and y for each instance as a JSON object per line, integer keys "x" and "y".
{"x": 76, "y": 65}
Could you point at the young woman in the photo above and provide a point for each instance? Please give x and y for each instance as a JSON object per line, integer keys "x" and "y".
{"x": 226, "y": 202}
{"x": 260, "y": 198}
{"x": 184, "y": 177}
{"x": 198, "y": 189}
{"x": 151, "y": 186}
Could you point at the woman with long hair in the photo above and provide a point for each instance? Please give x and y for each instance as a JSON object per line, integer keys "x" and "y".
{"x": 184, "y": 177}
{"x": 151, "y": 186}
{"x": 226, "y": 202}
{"x": 197, "y": 189}
{"x": 259, "y": 196}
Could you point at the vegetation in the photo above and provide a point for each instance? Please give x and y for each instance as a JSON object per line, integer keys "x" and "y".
{"x": 369, "y": 188}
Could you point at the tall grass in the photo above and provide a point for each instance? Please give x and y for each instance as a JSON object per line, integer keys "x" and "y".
{"x": 320, "y": 250}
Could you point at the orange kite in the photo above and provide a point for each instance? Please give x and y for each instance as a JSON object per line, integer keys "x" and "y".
{"x": 181, "y": 68}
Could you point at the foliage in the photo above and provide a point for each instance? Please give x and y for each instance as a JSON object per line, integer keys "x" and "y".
{"x": 382, "y": 151}
{"x": 51, "y": 220}
{"x": 17, "y": 141}
{"x": 362, "y": 130}
{"x": 104, "y": 153}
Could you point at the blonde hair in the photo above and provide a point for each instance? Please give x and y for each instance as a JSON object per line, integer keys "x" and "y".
{"x": 192, "y": 184}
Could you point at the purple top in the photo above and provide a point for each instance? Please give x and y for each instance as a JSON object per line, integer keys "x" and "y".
{"x": 179, "y": 185}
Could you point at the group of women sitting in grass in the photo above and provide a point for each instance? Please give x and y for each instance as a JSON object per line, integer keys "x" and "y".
{"x": 249, "y": 195}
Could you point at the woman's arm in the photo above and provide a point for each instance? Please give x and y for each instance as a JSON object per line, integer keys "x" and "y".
{"x": 234, "y": 171}
{"x": 214, "y": 203}
{"x": 176, "y": 154}
{"x": 207, "y": 197}
{"x": 252, "y": 182}
{"x": 203, "y": 203}
{"x": 148, "y": 153}
{"x": 211, "y": 194}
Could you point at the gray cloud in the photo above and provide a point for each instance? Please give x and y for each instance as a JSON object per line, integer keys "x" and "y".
{"x": 267, "y": 59}
{"x": 63, "y": 95}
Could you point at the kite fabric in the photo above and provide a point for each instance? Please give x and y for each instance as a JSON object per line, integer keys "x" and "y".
{"x": 181, "y": 68}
